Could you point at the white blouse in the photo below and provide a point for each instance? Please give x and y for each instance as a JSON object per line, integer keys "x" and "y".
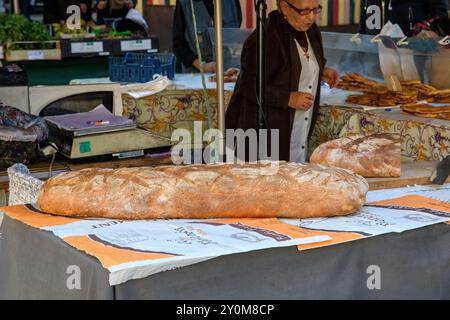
{"x": 309, "y": 79}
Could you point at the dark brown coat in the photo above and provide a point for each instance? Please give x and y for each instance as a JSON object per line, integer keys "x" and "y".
{"x": 283, "y": 70}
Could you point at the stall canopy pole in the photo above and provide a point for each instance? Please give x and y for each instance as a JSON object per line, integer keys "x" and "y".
{"x": 219, "y": 72}
{"x": 261, "y": 61}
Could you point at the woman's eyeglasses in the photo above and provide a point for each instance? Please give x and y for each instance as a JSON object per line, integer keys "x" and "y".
{"x": 305, "y": 12}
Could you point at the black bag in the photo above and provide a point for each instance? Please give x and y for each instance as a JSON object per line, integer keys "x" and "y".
{"x": 13, "y": 75}
{"x": 12, "y": 152}
{"x": 20, "y": 136}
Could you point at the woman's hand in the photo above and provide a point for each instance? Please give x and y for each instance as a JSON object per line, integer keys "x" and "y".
{"x": 300, "y": 100}
{"x": 208, "y": 67}
{"x": 330, "y": 76}
{"x": 232, "y": 72}
{"x": 231, "y": 75}
{"x": 101, "y": 5}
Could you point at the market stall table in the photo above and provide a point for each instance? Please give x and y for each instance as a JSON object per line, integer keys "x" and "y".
{"x": 412, "y": 265}
{"x": 413, "y": 172}
{"x": 421, "y": 138}
{"x": 181, "y": 104}
{"x": 178, "y": 106}
{"x": 41, "y": 170}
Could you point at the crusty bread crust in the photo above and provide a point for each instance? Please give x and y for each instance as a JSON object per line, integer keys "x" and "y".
{"x": 378, "y": 155}
{"x": 259, "y": 190}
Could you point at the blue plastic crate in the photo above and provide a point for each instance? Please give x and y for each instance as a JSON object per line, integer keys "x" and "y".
{"x": 141, "y": 67}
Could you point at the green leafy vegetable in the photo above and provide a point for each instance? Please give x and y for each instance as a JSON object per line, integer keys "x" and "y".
{"x": 15, "y": 28}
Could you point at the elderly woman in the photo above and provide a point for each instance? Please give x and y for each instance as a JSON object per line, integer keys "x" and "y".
{"x": 295, "y": 65}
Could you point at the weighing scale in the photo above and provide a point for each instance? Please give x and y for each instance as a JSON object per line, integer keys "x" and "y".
{"x": 100, "y": 133}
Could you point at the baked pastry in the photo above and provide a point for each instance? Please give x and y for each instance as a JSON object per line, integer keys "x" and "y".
{"x": 428, "y": 111}
{"x": 383, "y": 99}
{"x": 377, "y": 94}
{"x": 377, "y": 155}
{"x": 440, "y": 96}
{"x": 258, "y": 190}
{"x": 356, "y": 82}
{"x": 424, "y": 91}
{"x": 230, "y": 75}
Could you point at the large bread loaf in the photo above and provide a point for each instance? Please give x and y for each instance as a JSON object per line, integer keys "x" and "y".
{"x": 205, "y": 191}
{"x": 377, "y": 155}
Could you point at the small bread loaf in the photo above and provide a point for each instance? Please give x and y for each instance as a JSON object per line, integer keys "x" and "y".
{"x": 377, "y": 155}
{"x": 258, "y": 190}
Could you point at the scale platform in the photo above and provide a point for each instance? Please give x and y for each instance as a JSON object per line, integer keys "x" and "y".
{"x": 120, "y": 144}
{"x": 99, "y": 133}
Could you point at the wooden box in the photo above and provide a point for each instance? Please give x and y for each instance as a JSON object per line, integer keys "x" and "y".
{"x": 34, "y": 54}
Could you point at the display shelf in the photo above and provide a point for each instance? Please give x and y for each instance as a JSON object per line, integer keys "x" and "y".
{"x": 77, "y": 48}
{"x": 33, "y": 54}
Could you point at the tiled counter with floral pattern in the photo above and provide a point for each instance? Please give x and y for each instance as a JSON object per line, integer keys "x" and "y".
{"x": 172, "y": 109}
{"x": 421, "y": 138}
{"x": 181, "y": 105}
